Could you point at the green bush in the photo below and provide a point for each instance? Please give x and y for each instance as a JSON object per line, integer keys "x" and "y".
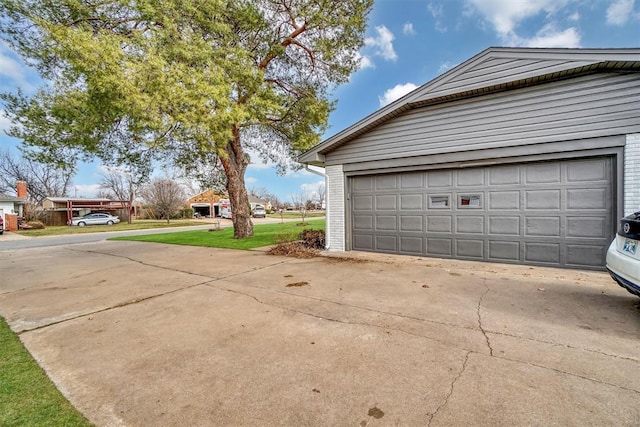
{"x": 187, "y": 213}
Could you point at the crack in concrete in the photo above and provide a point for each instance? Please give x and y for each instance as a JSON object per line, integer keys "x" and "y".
{"x": 486, "y": 337}
{"x": 556, "y": 344}
{"x": 469, "y": 351}
{"x": 111, "y": 307}
{"x": 453, "y": 384}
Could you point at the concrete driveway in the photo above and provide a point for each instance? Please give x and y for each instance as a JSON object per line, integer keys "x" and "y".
{"x": 140, "y": 334}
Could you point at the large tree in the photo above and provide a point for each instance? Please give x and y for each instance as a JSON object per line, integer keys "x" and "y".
{"x": 190, "y": 79}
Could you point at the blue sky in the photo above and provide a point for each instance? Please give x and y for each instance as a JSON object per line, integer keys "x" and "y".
{"x": 408, "y": 43}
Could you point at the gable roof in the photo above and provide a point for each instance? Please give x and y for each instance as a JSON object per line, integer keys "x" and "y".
{"x": 493, "y": 70}
{"x": 7, "y": 198}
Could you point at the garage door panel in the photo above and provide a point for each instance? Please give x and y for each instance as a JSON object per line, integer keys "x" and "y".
{"x": 440, "y": 247}
{"x": 501, "y": 200}
{"x": 386, "y": 243}
{"x": 504, "y": 251}
{"x": 584, "y": 255}
{"x": 587, "y": 227}
{"x": 363, "y": 183}
{"x": 414, "y": 245}
{"x": 363, "y": 222}
{"x": 587, "y": 198}
{"x": 542, "y": 199}
{"x": 470, "y": 224}
{"x": 363, "y": 203}
{"x": 504, "y": 175}
{"x": 386, "y": 223}
{"x": 411, "y": 223}
{"x": 504, "y": 225}
{"x": 549, "y": 213}
{"x": 412, "y": 180}
{"x": 386, "y": 182}
{"x": 587, "y": 170}
{"x": 470, "y": 177}
{"x": 543, "y": 226}
{"x": 439, "y": 224}
{"x": 386, "y": 202}
{"x": 363, "y": 242}
{"x": 542, "y": 252}
{"x": 412, "y": 201}
{"x": 542, "y": 173}
{"x": 470, "y": 248}
{"x": 439, "y": 179}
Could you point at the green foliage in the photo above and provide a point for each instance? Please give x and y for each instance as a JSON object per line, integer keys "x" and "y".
{"x": 27, "y": 395}
{"x": 187, "y": 213}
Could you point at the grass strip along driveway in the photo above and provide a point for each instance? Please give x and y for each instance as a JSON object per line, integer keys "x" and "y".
{"x": 27, "y": 396}
{"x": 263, "y": 235}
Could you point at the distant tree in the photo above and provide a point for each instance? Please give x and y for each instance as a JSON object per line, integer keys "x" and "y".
{"x": 299, "y": 202}
{"x": 42, "y": 180}
{"x": 165, "y": 196}
{"x": 122, "y": 184}
{"x": 321, "y": 194}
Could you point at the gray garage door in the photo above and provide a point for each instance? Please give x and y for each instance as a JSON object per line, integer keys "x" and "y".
{"x": 548, "y": 213}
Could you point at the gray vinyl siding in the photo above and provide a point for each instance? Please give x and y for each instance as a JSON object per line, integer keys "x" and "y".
{"x": 584, "y": 107}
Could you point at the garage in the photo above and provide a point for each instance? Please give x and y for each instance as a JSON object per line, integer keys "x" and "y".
{"x": 551, "y": 213}
{"x": 517, "y": 155}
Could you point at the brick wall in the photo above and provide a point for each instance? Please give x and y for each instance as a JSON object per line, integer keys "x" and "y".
{"x": 632, "y": 174}
{"x": 335, "y": 208}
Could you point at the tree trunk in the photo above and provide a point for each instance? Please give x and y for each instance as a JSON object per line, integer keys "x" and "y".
{"x": 235, "y": 164}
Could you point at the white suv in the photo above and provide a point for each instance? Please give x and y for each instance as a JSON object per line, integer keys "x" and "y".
{"x": 623, "y": 256}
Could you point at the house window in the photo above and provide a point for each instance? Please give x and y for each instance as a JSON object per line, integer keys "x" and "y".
{"x": 440, "y": 201}
{"x": 469, "y": 201}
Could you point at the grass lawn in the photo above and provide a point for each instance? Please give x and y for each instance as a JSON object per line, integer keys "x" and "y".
{"x": 27, "y": 396}
{"x": 140, "y": 224}
{"x": 263, "y": 235}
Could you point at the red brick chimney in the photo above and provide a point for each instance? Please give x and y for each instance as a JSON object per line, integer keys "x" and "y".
{"x": 22, "y": 189}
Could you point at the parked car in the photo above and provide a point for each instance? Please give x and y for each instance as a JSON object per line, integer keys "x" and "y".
{"x": 1, "y": 225}
{"x": 259, "y": 212}
{"x": 623, "y": 256}
{"x": 94, "y": 219}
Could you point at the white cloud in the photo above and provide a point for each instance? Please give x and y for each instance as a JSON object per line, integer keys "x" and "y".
{"x": 250, "y": 180}
{"x": 505, "y": 15}
{"x": 396, "y": 92}
{"x": 366, "y": 62}
{"x": 311, "y": 188}
{"x": 382, "y": 44}
{"x": 619, "y": 12}
{"x": 437, "y": 11}
{"x": 445, "y": 66}
{"x": 408, "y": 30}
{"x": 549, "y": 36}
{"x": 575, "y": 16}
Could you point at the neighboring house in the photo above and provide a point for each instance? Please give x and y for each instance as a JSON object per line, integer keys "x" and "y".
{"x": 59, "y": 210}
{"x": 253, "y": 201}
{"x": 10, "y": 209}
{"x": 517, "y": 155}
{"x": 206, "y": 204}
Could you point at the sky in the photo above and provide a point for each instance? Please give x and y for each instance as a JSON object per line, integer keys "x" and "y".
{"x": 407, "y": 44}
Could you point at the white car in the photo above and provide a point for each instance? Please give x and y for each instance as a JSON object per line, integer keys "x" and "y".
{"x": 94, "y": 219}
{"x": 623, "y": 256}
